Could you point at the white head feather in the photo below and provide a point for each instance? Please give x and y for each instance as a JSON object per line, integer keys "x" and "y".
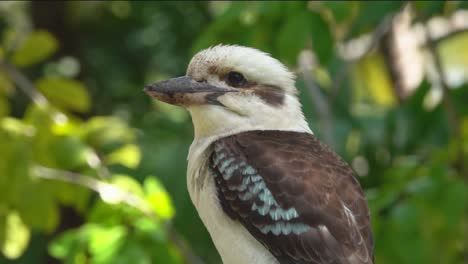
{"x": 252, "y": 63}
{"x": 244, "y": 111}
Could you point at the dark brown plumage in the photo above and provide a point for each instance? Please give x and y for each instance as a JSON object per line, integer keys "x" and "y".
{"x": 300, "y": 173}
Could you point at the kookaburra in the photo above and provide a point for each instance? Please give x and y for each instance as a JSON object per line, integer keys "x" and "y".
{"x": 264, "y": 186}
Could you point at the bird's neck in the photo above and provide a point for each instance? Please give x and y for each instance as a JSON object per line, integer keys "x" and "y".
{"x": 214, "y": 122}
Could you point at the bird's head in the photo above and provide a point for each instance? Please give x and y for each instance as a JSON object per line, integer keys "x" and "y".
{"x": 231, "y": 89}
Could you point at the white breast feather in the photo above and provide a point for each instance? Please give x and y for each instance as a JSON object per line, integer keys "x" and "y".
{"x": 233, "y": 242}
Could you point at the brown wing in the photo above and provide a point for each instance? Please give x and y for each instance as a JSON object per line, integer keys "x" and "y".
{"x": 294, "y": 195}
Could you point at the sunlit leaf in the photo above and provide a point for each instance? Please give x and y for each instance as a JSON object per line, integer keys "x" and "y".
{"x": 106, "y": 133}
{"x": 62, "y": 246}
{"x": 105, "y": 242}
{"x": 127, "y": 183}
{"x": 454, "y": 63}
{"x": 63, "y": 125}
{"x": 415, "y": 187}
{"x": 66, "y": 93}
{"x": 38, "y": 46}
{"x": 372, "y": 81}
{"x": 16, "y": 127}
{"x": 16, "y": 237}
{"x": 128, "y": 156}
{"x": 39, "y": 117}
{"x": 151, "y": 228}
{"x": 74, "y": 246}
{"x": 158, "y": 198}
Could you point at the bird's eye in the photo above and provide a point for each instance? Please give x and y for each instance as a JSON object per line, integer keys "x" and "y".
{"x": 235, "y": 79}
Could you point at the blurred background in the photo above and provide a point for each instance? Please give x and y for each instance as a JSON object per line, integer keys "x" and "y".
{"x": 93, "y": 171}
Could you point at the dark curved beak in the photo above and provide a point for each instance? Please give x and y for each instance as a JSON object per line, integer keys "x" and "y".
{"x": 185, "y": 91}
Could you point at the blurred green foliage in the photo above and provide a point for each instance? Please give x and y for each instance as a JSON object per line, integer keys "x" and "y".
{"x": 79, "y": 141}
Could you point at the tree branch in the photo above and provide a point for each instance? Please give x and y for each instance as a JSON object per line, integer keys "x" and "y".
{"x": 453, "y": 33}
{"x": 108, "y": 192}
{"x": 112, "y": 194}
{"x": 24, "y": 84}
{"x": 357, "y": 48}
{"x": 40, "y": 100}
{"x": 452, "y": 117}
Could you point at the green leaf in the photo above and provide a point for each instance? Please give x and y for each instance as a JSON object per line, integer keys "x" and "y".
{"x": 212, "y": 34}
{"x": 463, "y": 5}
{"x": 14, "y": 168}
{"x": 125, "y": 183}
{"x": 63, "y": 245}
{"x": 301, "y": 30}
{"x": 17, "y": 236}
{"x": 72, "y": 246}
{"x": 4, "y": 107}
{"x": 149, "y": 227}
{"x": 370, "y": 15}
{"x": 38, "y": 46}
{"x": 16, "y": 127}
{"x": 158, "y": 198}
{"x": 407, "y": 217}
{"x": 39, "y": 117}
{"x": 70, "y": 152}
{"x": 133, "y": 252}
{"x": 372, "y": 81}
{"x": 37, "y": 207}
{"x": 107, "y": 133}
{"x": 71, "y": 195}
{"x": 292, "y": 38}
{"x": 66, "y": 93}
{"x": 128, "y": 156}
{"x": 427, "y": 9}
{"x": 105, "y": 242}
{"x": 341, "y": 10}
{"x": 6, "y": 85}
{"x": 322, "y": 39}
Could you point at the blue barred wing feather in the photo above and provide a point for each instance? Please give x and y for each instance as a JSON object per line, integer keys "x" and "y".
{"x": 294, "y": 195}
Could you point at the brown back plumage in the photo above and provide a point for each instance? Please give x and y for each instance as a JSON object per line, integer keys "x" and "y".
{"x": 294, "y": 195}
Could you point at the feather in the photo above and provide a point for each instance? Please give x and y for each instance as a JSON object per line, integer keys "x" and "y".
{"x": 294, "y": 195}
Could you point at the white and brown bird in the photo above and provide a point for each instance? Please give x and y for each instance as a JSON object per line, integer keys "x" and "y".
{"x": 264, "y": 186}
